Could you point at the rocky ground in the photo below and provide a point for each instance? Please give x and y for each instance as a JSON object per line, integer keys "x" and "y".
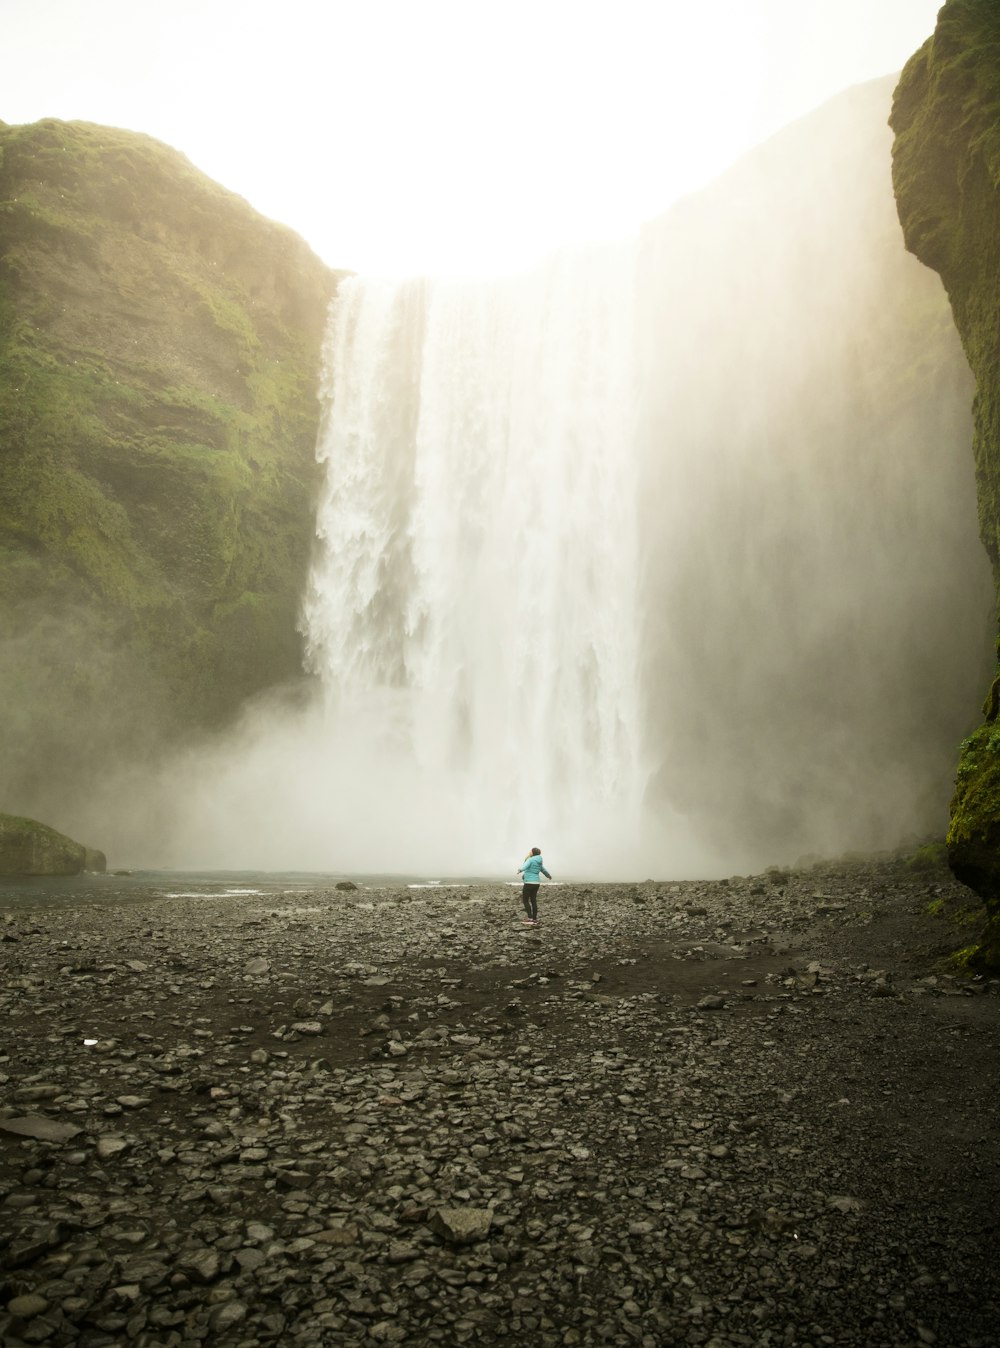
{"x": 754, "y": 1112}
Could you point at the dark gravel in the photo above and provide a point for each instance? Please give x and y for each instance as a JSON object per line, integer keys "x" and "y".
{"x": 755, "y": 1112}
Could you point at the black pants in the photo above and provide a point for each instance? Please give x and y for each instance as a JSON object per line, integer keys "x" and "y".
{"x": 529, "y": 897}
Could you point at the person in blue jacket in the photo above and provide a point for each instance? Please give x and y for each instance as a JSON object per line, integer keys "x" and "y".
{"x": 529, "y": 870}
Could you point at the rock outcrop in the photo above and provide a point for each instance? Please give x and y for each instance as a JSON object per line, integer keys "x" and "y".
{"x": 30, "y": 848}
{"x": 946, "y": 173}
{"x": 819, "y": 604}
{"x": 159, "y": 358}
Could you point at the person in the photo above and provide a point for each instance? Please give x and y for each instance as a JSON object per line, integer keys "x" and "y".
{"x": 529, "y": 870}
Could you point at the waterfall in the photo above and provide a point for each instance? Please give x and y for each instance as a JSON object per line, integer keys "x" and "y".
{"x": 472, "y": 611}
{"x": 661, "y": 556}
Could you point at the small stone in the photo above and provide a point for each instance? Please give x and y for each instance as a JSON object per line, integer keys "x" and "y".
{"x": 386, "y": 1332}
{"x": 844, "y": 1204}
{"x": 400, "y": 1253}
{"x": 255, "y": 967}
{"x": 32, "y": 1094}
{"x": 228, "y": 1314}
{"x": 43, "y": 1130}
{"x": 200, "y": 1266}
{"x": 28, "y": 1306}
{"x": 250, "y": 1258}
{"x": 109, "y": 1147}
{"x": 338, "y": 1235}
{"x": 713, "y": 1002}
{"x": 462, "y": 1226}
{"x": 307, "y": 1027}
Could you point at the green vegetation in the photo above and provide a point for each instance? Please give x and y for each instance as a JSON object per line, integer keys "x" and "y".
{"x": 30, "y": 848}
{"x": 946, "y": 173}
{"x": 930, "y": 857}
{"x": 159, "y": 358}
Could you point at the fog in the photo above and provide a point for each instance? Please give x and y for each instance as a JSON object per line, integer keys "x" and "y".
{"x": 661, "y": 556}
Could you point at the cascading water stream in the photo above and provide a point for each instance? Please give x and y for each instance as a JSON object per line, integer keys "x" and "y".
{"x": 472, "y": 611}
{"x": 662, "y": 556}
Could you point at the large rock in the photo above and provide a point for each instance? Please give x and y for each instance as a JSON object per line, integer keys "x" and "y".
{"x": 159, "y": 363}
{"x": 30, "y": 848}
{"x": 946, "y": 174}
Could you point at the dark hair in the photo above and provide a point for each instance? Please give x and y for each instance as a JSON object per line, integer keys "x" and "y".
{"x": 536, "y": 851}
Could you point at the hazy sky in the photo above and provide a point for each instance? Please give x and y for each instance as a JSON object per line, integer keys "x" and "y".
{"x": 449, "y": 135}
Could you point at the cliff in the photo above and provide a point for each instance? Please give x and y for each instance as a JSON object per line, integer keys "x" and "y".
{"x": 159, "y": 356}
{"x": 946, "y": 174}
{"x": 30, "y": 848}
{"x": 820, "y": 603}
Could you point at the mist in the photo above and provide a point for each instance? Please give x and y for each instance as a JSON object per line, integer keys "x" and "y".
{"x": 661, "y": 556}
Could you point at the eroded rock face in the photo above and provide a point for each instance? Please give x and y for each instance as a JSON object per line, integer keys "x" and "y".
{"x": 946, "y": 174}
{"x": 159, "y": 359}
{"x": 30, "y": 848}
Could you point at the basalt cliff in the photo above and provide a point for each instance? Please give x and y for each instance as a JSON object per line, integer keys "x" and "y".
{"x": 159, "y": 354}
{"x": 946, "y": 173}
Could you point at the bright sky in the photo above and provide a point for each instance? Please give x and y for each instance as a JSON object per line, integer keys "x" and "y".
{"x": 403, "y": 136}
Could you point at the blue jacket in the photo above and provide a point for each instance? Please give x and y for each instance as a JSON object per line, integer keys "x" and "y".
{"x": 530, "y": 869}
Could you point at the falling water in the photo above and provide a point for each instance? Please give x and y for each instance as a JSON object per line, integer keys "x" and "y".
{"x": 472, "y": 612}
{"x": 662, "y": 556}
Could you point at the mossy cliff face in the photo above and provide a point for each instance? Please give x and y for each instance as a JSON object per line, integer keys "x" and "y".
{"x": 30, "y": 848}
{"x": 946, "y": 173}
{"x": 159, "y": 355}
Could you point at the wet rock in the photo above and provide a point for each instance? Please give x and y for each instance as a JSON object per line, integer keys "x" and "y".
{"x": 40, "y": 1128}
{"x": 228, "y": 1315}
{"x": 110, "y": 1147}
{"x": 616, "y": 1170}
{"x": 28, "y": 1306}
{"x": 462, "y": 1226}
{"x": 201, "y": 1266}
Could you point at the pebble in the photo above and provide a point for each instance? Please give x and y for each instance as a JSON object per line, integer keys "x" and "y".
{"x": 27, "y": 1307}
{"x": 490, "y": 1149}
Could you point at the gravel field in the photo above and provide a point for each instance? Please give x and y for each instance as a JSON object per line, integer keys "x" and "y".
{"x": 747, "y": 1112}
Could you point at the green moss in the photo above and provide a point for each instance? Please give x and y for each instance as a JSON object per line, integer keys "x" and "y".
{"x": 159, "y": 358}
{"x": 28, "y": 847}
{"x": 932, "y": 856}
{"x": 946, "y": 174}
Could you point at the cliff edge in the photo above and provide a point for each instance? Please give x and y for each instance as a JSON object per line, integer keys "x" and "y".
{"x": 159, "y": 359}
{"x": 946, "y": 175}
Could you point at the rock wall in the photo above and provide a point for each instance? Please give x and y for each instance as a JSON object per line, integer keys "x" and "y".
{"x": 819, "y": 605}
{"x": 946, "y": 174}
{"x": 30, "y": 848}
{"x": 159, "y": 355}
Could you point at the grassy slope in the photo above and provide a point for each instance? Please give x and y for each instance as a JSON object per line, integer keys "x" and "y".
{"x": 159, "y": 352}
{"x": 946, "y": 173}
